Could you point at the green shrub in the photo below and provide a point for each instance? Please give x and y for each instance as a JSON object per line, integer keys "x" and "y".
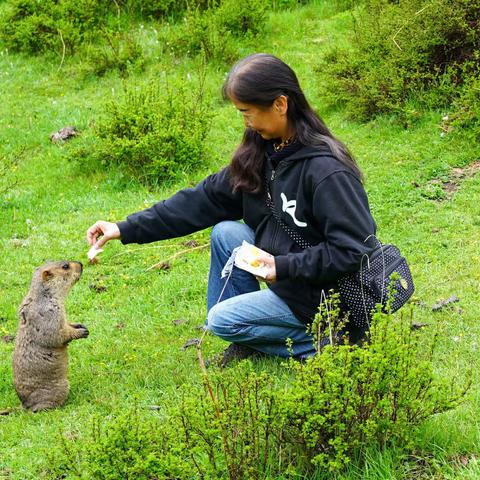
{"x": 154, "y": 132}
{"x": 114, "y": 51}
{"x": 36, "y": 26}
{"x": 126, "y": 446}
{"x": 232, "y": 428}
{"x": 153, "y": 8}
{"x": 217, "y": 30}
{"x": 402, "y": 50}
{"x": 466, "y": 109}
{"x": 162, "y": 8}
{"x": 241, "y": 17}
{"x": 243, "y": 425}
{"x": 348, "y": 397}
{"x": 198, "y": 33}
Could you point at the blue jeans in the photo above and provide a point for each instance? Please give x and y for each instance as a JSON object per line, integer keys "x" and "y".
{"x": 247, "y": 315}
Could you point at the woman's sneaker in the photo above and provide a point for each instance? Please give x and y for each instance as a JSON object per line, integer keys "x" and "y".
{"x": 233, "y": 352}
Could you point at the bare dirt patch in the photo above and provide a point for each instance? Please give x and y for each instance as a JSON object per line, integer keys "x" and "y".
{"x": 443, "y": 188}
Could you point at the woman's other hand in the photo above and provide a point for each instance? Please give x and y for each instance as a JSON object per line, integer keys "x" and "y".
{"x": 101, "y": 232}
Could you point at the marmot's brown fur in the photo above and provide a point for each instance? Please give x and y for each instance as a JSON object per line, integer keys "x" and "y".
{"x": 40, "y": 357}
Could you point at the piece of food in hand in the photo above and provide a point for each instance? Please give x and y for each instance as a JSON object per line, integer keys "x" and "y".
{"x": 247, "y": 259}
{"x": 93, "y": 252}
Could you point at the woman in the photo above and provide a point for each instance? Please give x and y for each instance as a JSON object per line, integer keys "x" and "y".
{"x": 300, "y": 195}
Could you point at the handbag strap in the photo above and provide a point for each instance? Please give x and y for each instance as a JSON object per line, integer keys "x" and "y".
{"x": 293, "y": 234}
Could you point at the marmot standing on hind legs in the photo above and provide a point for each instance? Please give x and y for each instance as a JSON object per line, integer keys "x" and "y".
{"x": 40, "y": 358}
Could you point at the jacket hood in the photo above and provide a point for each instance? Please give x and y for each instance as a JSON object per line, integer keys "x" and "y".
{"x": 309, "y": 152}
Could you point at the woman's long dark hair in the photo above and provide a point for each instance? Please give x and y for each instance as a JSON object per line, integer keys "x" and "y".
{"x": 258, "y": 80}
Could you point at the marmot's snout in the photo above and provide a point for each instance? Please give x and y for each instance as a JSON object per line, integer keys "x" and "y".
{"x": 61, "y": 268}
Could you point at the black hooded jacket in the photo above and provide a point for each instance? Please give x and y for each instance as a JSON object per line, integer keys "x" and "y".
{"x": 314, "y": 194}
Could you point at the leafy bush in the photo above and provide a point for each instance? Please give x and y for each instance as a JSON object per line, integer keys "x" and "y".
{"x": 35, "y": 26}
{"x": 348, "y": 397}
{"x": 154, "y": 132}
{"x": 216, "y": 30}
{"x": 466, "y": 109}
{"x": 127, "y": 446}
{"x": 233, "y": 428}
{"x": 38, "y": 26}
{"x": 404, "y": 49}
{"x": 114, "y": 51}
{"x": 198, "y": 33}
{"x": 162, "y": 8}
{"x": 241, "y": 17}
{"x": 246, "y": 425}
{"x": 153, "y": 8}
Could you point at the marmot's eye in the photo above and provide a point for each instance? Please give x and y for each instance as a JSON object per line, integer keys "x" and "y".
{"x": 65, "y": 266}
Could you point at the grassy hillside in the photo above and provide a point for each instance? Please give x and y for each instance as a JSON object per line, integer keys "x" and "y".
{"x": 140, "y": 319}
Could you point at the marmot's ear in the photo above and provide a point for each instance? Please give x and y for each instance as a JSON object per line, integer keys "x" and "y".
{"x": 46, "y": 274}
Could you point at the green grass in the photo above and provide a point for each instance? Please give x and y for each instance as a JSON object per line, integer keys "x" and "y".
{"x": 133, "y": 355}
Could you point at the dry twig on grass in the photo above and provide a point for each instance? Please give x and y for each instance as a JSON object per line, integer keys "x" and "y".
{"x": 173, "y": 257}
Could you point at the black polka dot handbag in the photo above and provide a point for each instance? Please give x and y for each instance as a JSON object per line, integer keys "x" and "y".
{"x": 384, "y": 278}
{"x": 361, "y": 291}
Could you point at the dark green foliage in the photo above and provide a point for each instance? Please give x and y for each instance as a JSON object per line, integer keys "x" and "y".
{"x": 349, "y": 397}
{"x": 35, "y": 26}
{"x": 216, "y": 30}
{"x": 233, "y": 428}
{"x": 241, "y": 17}
{"x": 128, "y": 446}
{"x": 200, "y": 32}
{"x": 286, "y": 4}
{"x": 405, "y": 49}
{"x": 154, "y": 132}
{"x": 245, "y": 425}
{"x": 466, "y": 109}
{"x": 162, "y": 8}
{"x": 114, "y": 51}
{"x": 153, "y": 8}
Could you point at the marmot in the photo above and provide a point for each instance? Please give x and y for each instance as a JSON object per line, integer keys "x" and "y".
{"x": 40, "y": 357}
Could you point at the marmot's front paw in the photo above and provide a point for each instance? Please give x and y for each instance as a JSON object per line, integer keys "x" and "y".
{"x": 82, "y": 329}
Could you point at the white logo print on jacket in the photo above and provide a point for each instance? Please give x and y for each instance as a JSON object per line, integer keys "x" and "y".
{"x": 289, "y": 206}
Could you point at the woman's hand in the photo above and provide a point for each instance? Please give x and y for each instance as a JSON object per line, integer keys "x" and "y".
{"x": 269, "y": 262}
{"x": 101, "y": 232}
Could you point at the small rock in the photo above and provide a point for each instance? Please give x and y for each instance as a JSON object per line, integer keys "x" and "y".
{"x": 154, "y": 407}
{"x": 443, "y": 303}
{"x": 7, "y": 338}
{"x": 418, "y": 325}
{"x": 179, "y": 321}
{"x": 64, "y": 134}
{"x": 191, "y": 343}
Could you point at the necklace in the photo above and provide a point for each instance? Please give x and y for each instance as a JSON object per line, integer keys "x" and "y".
{"x": 280, "y": 146}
